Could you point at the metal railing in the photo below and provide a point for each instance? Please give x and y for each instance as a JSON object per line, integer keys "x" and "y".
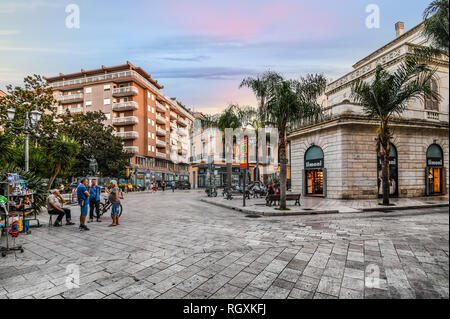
{"x": 126, "y": 120}
{"x": 126, "y": 89}
{"x": 125, "y": 106}
{"x": 67, "y": 97}
{"x": 128, "y": 135}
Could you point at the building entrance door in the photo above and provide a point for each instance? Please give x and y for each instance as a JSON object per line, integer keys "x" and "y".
{"x": 315, "y": 179}
{"x": 435, "y": 181}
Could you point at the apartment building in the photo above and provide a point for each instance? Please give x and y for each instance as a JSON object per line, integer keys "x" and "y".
{"x": 153, "y": 127}
{"x": 208, "y": 163}
{"x": 2, "y": 93}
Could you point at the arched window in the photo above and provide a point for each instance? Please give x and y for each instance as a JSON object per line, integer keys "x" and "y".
{"x": 430, "y": 102}
{"x": 434, "y": 152}
{"x": 314, "y": 153}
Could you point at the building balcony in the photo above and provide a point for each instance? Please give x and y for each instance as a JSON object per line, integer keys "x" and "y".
{"x": 160, "y": 131}
{"x": 131, "y": 149}
{"x": 70, "y": 98}
{"x": 161, "y": 144}
{"x": 132, "y": 135}
{"x": 160, "y": 119}
{"x": 71, "y": 110}
{"x": 432, "y": 115}
{"x": 182, "y": 121}
{"x": 173, "y": 115}
{"x": 125, "y": 91}
{"x": 161, "y": 108}
{"x": 161, "y": 155}
{"x": 126, "y": 120}
{"x": 182, "y": 132}
{"x": 125, "y": 106}
{"x": 173, "y": 125}
{"x": 174, "y": 137}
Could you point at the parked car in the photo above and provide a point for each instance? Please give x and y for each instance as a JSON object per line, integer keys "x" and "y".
{"x": 183, "y": 185}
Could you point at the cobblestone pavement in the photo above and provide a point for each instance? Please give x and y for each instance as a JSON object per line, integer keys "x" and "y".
{"x": 174, "y": 246}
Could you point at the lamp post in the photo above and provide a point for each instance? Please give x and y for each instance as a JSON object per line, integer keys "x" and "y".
{"x": 30, "y": 123}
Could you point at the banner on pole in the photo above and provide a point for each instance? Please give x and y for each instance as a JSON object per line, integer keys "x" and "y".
{"x": 244, "y": 152}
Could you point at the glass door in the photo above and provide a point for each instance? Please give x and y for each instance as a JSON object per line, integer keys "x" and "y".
{"x": 435, "y": 180}
{"x": 314, "y": 182}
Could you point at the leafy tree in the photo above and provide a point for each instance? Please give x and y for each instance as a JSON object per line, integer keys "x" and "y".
{"x": 62, "y": 152}
{"x": 8, "y": 152}
{"x": 387, "y": 95}
{"x": 95, "y": 140}
{"x": 291, "y": 102}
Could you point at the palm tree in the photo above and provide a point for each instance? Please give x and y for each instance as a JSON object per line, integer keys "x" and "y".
{"x": 291, "y": 102}
{"x": 436, "y": 29}
{"x": 7, "y": 150}
{"x": 62, "y": 152}
{"x": 261, "y": 87}
{"x": 388, "y": 95}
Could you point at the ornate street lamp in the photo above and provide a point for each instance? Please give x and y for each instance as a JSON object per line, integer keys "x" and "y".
{"x": 30, "y": 123}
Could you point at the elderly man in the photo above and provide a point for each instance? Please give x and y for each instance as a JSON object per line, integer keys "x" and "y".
{"x": 83, "y": 201}
{"x": 54, "y": 207}
{"x": 94, "y": 201}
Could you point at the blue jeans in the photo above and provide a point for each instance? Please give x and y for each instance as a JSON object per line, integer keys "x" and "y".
{"x": 116, "y": 209}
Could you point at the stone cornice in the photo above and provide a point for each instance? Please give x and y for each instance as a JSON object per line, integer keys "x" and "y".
{"x": 392, "y": 57}
{"x": 346, "y": 119}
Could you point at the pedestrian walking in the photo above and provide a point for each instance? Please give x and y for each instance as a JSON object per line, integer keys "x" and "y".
{"x": 114, "y": 198}
{"x": 94, "y": 201}
{"x": 154, "y": 187}
{"x": 163, "y": 185}
{"x": 83, "y": 202}
{"x": 172, "y": 185}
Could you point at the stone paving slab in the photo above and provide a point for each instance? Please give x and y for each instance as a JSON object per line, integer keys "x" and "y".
{"x": 171, "y": 245}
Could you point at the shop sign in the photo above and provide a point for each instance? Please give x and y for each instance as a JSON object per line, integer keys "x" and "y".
{"x": 434, "y": 162}
{"x": 313, "y": 164}
{"x": 392, "y": 161}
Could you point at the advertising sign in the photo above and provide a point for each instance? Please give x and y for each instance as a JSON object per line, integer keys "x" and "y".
{"x": 244, "y": 152}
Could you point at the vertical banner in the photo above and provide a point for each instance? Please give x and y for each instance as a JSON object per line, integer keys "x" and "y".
{"x": 244, "y": 152}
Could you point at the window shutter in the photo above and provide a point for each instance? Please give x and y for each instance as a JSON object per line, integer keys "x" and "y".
{"x": 427, "y": 182}
{"x": 325, "y": 182}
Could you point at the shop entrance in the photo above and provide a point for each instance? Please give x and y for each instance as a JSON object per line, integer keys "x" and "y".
{"x": 435, "y": 171}
{"x": 315, "y": 173}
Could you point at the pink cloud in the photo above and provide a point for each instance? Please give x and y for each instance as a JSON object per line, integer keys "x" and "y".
{"x": 248, "y": 19}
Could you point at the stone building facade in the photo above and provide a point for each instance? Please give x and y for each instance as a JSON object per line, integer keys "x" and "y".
{"x": 337, "y": 158}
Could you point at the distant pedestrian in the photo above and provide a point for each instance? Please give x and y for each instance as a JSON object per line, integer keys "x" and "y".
{"x": 172, "y": 185}
{"x": 114, "y": 198}
{"x": 83, "y": 202}
{"x": 163, "y": 185}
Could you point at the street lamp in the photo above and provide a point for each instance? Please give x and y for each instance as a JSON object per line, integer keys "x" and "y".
{"x": 30, "y": 123}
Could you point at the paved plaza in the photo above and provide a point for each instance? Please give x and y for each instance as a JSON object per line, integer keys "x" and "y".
{"x": 172, "y": 245}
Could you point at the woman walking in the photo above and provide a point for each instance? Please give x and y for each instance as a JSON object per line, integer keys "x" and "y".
{"x": 113, "y": 197}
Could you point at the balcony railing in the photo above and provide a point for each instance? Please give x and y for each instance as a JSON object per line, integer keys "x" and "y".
{"x": 160, "y": 107}
{"x": 173, "y": 125}
{"x": 125, "y": 106}
{"x": 131, "y": 149}
{"x": 160, "y": 131}
{"x": 160, "y": 119}
{"x": 182, "y": 132}
{"x": 162, "y": 155}
{"x": 174, "y": 137}
{"x": 132, "y": 135}
{"x": 126, "y": 120}
{"x": 126, "y": 90}
{"x": 173, "y": 115}
{"x": 71, "y": 110}
{"x": 182, "y": 121}
{"x": 70, "y": 98}
{"x": 160, "y": 143}
{"x": 430, "y": 115}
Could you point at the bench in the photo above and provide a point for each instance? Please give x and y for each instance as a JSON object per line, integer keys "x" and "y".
{"x": 289, "y": 197}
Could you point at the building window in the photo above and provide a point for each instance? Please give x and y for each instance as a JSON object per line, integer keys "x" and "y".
{"x": 430, "y": 102}
{"x": 88, "y": 90}
{"x": 88, "y": 103}
{"x": 107, "y": 87}
{"x": 106, "y": 101}
{"x": 108, "y": 116}
{"x": 153, "y": 135}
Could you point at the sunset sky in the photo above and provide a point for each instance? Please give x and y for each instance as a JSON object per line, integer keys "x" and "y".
{"x": 198, "y": 49}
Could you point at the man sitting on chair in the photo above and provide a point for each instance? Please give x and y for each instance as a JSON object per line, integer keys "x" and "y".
{"x": 54, "y": 207}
